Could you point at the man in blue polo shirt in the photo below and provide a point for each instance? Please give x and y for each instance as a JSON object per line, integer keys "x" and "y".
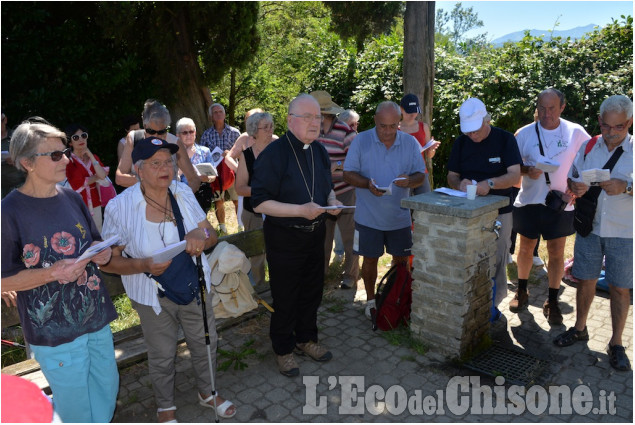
{"x": 382, "y": 157}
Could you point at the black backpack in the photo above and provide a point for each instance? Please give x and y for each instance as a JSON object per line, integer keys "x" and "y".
{"x": 393, "y": 298}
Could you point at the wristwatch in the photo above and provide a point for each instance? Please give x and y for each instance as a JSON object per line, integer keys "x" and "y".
{"x": 629, "y": 188}
{"x": 490, "y": 183}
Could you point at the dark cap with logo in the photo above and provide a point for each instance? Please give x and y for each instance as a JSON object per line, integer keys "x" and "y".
{"x": 410, "y": 104}
{"x": 145, "y": 148}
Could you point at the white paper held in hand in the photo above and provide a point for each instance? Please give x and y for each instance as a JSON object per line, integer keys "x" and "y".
{"x": 169, "y": 252}
{"x": 97, "y": 248}
{"x": 547, "y": 165}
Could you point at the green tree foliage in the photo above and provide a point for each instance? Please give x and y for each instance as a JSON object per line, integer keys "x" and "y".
{"x": 361, "y": 20}
{"x": 56, "y": 64}
{"x": 291, "y": 32}
{"x": 191, "y": 44}
{"x": 507, "y": 79}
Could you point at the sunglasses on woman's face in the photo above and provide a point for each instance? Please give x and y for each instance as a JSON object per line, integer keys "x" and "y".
{"x": 152, "y": 132}
{"x": 75, "y": 137}
{"x": 188, "y": 132}
{"x": 56, "y": 155}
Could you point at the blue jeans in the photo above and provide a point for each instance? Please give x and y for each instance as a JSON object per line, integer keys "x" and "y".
{"x": 83, "y": 376}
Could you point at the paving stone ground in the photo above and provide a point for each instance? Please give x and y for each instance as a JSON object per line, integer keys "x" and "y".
{"x": 369, "y": 358}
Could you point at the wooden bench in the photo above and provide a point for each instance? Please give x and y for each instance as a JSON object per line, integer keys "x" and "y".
{"x": 129, "y": 345}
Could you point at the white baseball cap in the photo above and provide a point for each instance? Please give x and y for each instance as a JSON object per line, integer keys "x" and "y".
{"x": 471, "y": 114}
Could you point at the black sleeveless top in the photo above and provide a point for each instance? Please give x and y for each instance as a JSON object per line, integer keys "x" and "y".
{"x": 249, "y": 162}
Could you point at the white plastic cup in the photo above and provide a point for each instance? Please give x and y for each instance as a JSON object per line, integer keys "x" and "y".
{"x": 471, "y": 192}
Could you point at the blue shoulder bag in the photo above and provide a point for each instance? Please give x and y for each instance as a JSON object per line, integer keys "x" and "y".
{"x": 180, "y": 280}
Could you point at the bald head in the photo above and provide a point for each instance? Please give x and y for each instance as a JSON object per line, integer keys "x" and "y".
{"x": 304, "y": 118}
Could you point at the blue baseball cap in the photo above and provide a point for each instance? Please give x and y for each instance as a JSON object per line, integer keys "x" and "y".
{"x": 145, "y": 148}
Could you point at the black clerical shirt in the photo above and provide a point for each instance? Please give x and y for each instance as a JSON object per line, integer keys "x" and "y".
{"x": 281, "y": 176}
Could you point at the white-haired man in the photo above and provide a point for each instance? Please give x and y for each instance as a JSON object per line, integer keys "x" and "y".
{"x": 223, "y": 136}
{"x": 611, "y": 236}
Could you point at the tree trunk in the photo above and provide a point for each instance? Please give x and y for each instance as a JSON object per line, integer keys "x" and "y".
{"x": 418, "y": 59}
{"x": 191, "y": 97}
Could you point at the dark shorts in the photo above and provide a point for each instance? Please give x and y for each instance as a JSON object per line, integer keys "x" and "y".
{"x": 534, "y": 220}
{"x": 369, "y": 242}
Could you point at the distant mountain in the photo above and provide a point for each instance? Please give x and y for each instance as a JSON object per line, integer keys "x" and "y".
{"x": 574, "y": 33}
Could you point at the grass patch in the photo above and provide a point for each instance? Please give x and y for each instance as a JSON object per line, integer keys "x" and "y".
{"x": 127, "y": 316}
{"x": 335, "y": 305}
{"x": 402, "y": 337}
{"x": 10, "y": 354}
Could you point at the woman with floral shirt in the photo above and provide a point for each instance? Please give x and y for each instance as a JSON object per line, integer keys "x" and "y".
{"x": 64, "y": 309}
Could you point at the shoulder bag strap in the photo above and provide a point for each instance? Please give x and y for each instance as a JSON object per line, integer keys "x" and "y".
{"x": 177, "y": 215}
{"x": 542, "y": 152}
{"x": 594, "y": 191}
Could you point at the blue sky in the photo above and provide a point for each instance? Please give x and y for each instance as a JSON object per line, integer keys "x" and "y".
{"x": 503, "y": 17}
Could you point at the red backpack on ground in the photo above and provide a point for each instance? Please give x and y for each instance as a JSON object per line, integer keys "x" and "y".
{"x": 393, "y": 298}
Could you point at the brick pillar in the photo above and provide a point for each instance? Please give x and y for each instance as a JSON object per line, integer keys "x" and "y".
{"x": 454, "y": 262}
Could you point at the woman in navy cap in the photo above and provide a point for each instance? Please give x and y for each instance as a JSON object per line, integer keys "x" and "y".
{"x": 154, "y": 213}
{"x": 410, "y": 110}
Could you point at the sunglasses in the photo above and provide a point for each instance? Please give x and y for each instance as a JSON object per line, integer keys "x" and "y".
{"x": 75, "y": 137}
{"x": 56, "y": 155}
{"x": 152, "y": 132}
{"x": 188, "y": 132}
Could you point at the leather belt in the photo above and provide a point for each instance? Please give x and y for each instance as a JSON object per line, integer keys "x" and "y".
{"x": 307, "y": 228}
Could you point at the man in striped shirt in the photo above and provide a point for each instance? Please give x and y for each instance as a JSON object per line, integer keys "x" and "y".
{"x": 221, "y": 135}
{"x": 336, "y": 136}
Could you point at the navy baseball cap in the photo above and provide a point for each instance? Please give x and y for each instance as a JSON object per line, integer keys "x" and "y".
{"x": 145, "y": 148}
{"x": 410, "y": 104}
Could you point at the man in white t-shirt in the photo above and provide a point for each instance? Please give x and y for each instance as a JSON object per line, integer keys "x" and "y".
{"x": 560, "y": 140}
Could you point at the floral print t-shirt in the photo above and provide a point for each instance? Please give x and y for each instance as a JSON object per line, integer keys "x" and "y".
{"x": 37, "y": 232}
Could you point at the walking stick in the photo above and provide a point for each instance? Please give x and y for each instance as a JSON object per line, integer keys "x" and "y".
{"x": 201, "y": 285}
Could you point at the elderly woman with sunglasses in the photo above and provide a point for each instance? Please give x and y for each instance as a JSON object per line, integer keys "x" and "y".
{"x": 64, "y": 308}
{"x": 154, "y": 213}
{"x": 156, "y": 123}
{"x": 84, "y": 170}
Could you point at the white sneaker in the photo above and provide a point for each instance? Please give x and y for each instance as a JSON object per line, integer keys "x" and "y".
{"x": 369, "y": 305}
{"x": 510, "y": 259}
{"x": 538, "y": 262}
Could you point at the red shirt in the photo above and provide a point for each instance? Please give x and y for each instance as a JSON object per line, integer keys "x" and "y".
{"x": 76, "y": 173}
{"x": 420, "y": 135}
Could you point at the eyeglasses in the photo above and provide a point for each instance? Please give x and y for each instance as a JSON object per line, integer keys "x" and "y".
{"x": 309, "y": 117}
{"x": 152, "y": 132}
{"x": 187, "y": 132}
{"x": 56, "y": 155}
{"x": 75, "y": 137}
{"x": 619, "y": 127}
{"x": 156, "y": 164}
{"x": 266, "y": 127}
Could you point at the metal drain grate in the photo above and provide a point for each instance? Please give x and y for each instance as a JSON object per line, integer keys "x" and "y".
{"x": 517, "y": 367}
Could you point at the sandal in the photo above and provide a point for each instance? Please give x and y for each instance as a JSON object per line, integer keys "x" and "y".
{"x": 618, "y": 358}
{"x": 167, "y": 409}
{"x": 221, "y": 409}
{"x": 571, "y": 336}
